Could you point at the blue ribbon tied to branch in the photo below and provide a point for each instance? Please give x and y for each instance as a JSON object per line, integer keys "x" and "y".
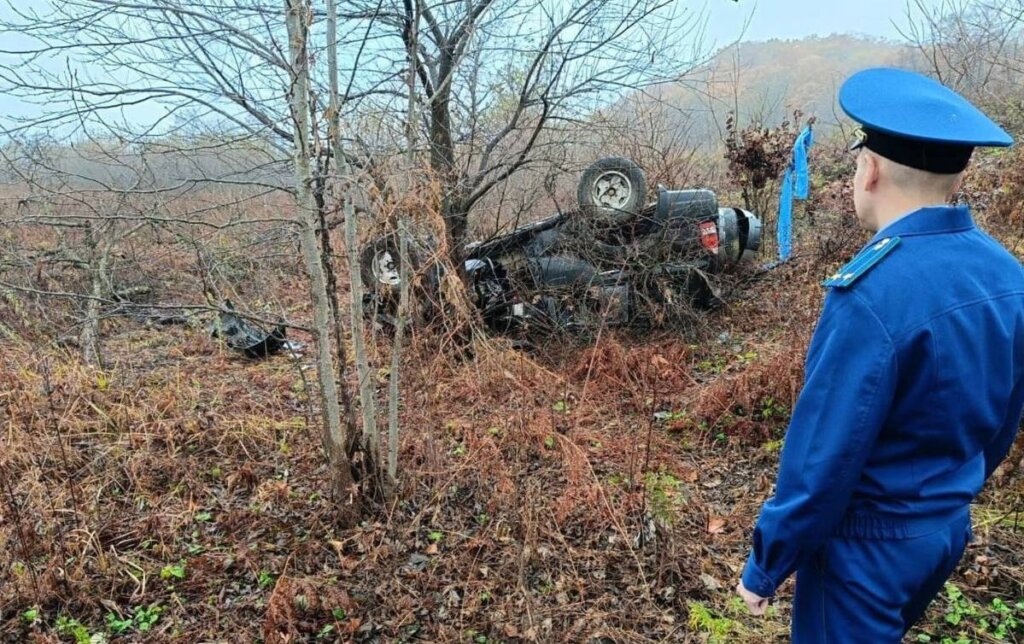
{"x": 796, "y": 183}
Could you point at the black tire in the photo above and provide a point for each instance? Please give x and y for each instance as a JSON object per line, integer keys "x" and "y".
{"x": 612, "y": 189}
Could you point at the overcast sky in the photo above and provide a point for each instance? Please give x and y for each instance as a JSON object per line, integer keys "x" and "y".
{"x": 799, "y": 18}
{"x": 727, "y": 20}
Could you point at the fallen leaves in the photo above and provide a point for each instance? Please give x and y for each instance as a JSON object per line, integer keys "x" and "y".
{"x": 710, "y": 582}
{"x": 716, "y": 525}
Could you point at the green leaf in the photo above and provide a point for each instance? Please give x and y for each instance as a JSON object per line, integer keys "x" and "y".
{"x": 72, "y": 627}
{"x": 561, "y": 407}
{"x": 773, "y": 447}
{"x": 204, "y": 517}
{"x": 325, "y": 632}
{"x": 435, "y": 536}
{"x": 177, "y": 571}
{"x": 147, "y": 616}
{"x": 117, "y": 625}
{"x": 31, "y": 615}
{"x": 339, "y": 614}
{"x": 953, "y": 592}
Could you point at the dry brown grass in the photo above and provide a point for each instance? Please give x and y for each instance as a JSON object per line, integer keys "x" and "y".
{"x": 540, "y": 499}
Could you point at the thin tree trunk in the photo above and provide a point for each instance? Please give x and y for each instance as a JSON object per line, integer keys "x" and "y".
{"x": 453, "y": 202}
{"x": 396, "y": 349}
{"x": 371, "y": 438}
{"x": 412, "y": 18}
{"x": 334, "y": 438}
{"x": 442, "y": 148}
{"x": 327, "y": 255}
{"x": 90, "y": 336}
{"x": 442, "y": 162}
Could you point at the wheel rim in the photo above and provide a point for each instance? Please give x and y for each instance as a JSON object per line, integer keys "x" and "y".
{"x": 612, "y": 190}
{"x": 385, "y": 269}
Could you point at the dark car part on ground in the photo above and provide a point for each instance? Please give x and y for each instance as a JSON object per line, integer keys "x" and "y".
{"x": 620, "y": 263}
{"x": 244, "y": 336}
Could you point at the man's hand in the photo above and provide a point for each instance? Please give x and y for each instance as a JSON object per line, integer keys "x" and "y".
{"x": 755, "y": 603}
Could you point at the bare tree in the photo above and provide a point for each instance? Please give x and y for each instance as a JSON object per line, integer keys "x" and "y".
{"x": 94, "y": 220}
{"x": 411, "y": 38}
{"x": 231, "y": 97}
{"x": 497, "y": 78}
{"x": 336, "y": 440}
{"x": 974, "y": 47}
{"x": 221, "y": 66}
{"x": 216, "y": 80}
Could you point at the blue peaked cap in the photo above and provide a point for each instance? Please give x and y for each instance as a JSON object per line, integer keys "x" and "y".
{"x": 908, "y": 105}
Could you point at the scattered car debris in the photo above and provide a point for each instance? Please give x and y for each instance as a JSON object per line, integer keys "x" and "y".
{"x": 293, "y": 347}
{"x": 245, "y": 337}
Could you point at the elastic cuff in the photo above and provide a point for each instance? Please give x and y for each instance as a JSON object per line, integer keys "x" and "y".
{"x": 756, "y": 581}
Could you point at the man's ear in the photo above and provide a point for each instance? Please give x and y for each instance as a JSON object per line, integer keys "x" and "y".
{"x": 872, "y": 172}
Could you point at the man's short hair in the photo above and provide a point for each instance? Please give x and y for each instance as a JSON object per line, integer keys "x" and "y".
{"x": 917, "y": 181}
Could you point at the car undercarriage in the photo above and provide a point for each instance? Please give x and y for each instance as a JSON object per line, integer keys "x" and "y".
{"x": 615, "y": 260}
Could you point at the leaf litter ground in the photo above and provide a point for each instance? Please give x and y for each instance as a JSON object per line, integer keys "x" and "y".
{"x": 599, "y": 493}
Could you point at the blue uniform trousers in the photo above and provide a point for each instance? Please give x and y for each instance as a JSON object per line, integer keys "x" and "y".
{"x": 873, "y": 590}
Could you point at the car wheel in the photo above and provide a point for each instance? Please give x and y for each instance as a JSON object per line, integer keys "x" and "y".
{"x": 613, "y": 188}
{"x": 380, "y": 265}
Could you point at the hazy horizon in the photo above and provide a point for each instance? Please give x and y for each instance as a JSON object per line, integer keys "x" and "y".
{"x": 798, "y": 19}
{"x": 726, "y": 22}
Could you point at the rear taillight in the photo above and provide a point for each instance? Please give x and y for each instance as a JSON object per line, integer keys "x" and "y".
{"x": 709, "y": 236}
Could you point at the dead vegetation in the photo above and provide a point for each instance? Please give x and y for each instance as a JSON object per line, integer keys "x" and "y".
{"x": 156, "y": 486}
{"x": 594, "y": 494}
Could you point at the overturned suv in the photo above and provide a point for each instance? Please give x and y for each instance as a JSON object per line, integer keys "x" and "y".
{"x": 614, "y": 260}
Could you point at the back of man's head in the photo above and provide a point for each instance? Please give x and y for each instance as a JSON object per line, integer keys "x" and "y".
{"x": 885, "y": 189}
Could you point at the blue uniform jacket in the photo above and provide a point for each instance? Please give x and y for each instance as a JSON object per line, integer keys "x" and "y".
{"x": 913, "y": 392}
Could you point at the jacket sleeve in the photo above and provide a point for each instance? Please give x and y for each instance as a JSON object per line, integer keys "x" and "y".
{"x": 849, "y": 382}
{"x": 997, "y": 450}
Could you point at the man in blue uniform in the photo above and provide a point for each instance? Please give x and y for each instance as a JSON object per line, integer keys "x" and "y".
{"x": 914, "y": 381}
